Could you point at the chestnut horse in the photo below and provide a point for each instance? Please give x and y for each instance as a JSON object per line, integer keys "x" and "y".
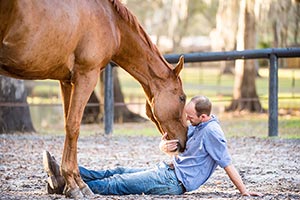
{"x": 72, "y": 41}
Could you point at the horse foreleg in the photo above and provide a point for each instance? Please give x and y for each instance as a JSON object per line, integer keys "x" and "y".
{"x": 82, "y": 87}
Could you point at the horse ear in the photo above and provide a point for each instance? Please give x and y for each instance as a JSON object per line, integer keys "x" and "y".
{"x": 179, "y": 66}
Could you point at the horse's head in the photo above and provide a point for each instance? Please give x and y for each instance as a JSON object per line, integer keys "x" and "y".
{"x": 166, "y": 108}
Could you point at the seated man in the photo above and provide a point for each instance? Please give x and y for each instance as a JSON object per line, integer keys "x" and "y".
{"x": 205, "y": 149}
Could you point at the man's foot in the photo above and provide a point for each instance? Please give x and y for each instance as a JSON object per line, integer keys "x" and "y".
{"x": 55, "y": 181}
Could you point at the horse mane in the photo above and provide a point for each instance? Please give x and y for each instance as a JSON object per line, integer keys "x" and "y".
{"x": 131, "y": 19}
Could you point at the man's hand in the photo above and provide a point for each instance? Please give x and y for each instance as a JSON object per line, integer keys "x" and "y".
{"x": 168, "y": 146}
{"x": 237, "y": 181}
{"x": 255, "y": 194}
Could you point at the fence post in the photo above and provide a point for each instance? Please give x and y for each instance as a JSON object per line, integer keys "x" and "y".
{"x": 273, "y": 96}
{"x": 108, "y": 100}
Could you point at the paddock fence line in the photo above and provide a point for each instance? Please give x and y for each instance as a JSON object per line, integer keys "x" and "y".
{"x": 272, "y": 54}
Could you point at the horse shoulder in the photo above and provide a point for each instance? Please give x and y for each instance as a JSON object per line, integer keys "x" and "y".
{"x": 100, "y": 39}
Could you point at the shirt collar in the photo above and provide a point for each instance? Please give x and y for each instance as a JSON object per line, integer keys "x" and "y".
{"x": 200, "y": 126}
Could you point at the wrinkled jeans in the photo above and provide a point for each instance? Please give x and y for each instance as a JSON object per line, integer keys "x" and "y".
{"x": 159, "y": 180}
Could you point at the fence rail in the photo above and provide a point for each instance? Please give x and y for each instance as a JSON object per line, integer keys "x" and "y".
{"x": 271, "y": 53}
{"x": 234, "y": 55}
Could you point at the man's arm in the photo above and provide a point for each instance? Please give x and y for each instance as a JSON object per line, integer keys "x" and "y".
{"x": 237, "y": 181}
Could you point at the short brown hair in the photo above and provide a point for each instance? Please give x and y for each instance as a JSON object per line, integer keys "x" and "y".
{"x": 202, "y": 105}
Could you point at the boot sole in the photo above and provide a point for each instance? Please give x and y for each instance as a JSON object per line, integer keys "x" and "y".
{"x": 47, "y": 167}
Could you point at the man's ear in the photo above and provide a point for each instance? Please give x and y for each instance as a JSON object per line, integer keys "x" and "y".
{"x": 179, "y": 66}
{"x": 204, "y": 116}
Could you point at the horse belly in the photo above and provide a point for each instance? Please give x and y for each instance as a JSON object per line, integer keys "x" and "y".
{"x": 31, "y": 72}
{"x": 17, "y": 62}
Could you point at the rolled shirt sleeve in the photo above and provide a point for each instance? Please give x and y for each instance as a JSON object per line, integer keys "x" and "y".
{"x": 216, "y": 147}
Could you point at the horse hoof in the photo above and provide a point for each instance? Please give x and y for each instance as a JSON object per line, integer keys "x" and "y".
{"x": 74, "y": 193}
{"x": 86, "y": 191}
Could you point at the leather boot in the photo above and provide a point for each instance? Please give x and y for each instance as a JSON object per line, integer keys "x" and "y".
{"x": 55, "y": 181}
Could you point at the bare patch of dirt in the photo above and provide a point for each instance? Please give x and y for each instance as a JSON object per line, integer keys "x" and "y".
{"x": 270, "y": 166}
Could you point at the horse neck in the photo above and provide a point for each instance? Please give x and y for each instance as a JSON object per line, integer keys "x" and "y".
{"x": 142, "y": 61}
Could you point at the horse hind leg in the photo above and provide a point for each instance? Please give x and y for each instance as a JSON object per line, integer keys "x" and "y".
{"x": 75, "y": 98}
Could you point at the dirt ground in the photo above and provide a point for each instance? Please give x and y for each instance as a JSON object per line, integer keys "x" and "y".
{"x": 270, "y": 166}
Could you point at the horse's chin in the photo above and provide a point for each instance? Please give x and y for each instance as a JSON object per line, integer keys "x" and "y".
{"x": 180, "y": 148}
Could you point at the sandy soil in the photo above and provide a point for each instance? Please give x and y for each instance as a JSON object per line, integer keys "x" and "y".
{"x": 270, "y": 166}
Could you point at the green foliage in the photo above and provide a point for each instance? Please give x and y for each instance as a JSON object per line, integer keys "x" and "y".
{"x": 264, "y": 45}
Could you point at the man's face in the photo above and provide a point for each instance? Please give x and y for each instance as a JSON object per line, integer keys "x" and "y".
{"x": 191, "y": 114}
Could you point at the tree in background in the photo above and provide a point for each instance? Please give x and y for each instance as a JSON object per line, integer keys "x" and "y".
{"x": 225, "y": 31}
{"x": 95, "y": 113}
{"x": 122, "y": 113}
{"x": 257, "y": 19}
{"x": 296, "y": 10}
{"x": 14, "y": 118}
{"x": 174, "y": 19}
{"x": 278, "y": 22}
{"x": 244, "y": 92}
{"x": 279, "y": 17}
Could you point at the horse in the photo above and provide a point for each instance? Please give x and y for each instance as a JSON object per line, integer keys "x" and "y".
{"x": 72, "y": 41}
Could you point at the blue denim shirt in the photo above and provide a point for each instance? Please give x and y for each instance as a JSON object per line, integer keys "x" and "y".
{"x": 205, "y": 150}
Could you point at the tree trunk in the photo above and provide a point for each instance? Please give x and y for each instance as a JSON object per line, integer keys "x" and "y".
{"x": 94, "y": 114}
{"x": 91, "y": 111}
{"x": 122, "y": 113}
{"x": 244, "y": 93}
{"x": 225, "y": 32}
{"x": 297, "y": 22}
{"x": 14, "y": 118}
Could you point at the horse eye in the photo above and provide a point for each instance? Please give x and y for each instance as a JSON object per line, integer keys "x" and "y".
{"x": 182, "y": 98}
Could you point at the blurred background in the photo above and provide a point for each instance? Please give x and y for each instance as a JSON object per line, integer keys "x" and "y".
{"x": 238, "y": 89}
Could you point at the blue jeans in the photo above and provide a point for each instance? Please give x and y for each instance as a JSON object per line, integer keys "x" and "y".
{"x": 159, "y": 180}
